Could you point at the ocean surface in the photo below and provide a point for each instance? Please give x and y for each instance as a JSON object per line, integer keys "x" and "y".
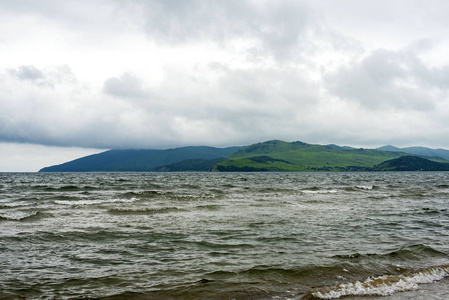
{"x": 224, "y": 235}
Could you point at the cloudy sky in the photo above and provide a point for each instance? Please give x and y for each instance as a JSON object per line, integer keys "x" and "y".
{"x": 78, "y": 77}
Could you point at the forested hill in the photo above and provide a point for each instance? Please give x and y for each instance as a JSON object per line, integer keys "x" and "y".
{"x": 272, "y": 156}
{"x": 139, "y": 160}
{"x": 411, "y": 163}
{"x": 297, "y": 156}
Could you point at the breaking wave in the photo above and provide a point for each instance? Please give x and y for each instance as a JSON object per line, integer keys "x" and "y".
{"x": 17, "y": 215}
{"x": 318, "y": 190}
{"x": 93, "y": 202}
{"x": 382, "y": 285}
{"x": 143, "y": 211}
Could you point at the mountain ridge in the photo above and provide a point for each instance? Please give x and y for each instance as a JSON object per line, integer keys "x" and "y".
{"x": 138, "y": 160}
{"x": 299, "y": 156}
{"x": 273, "y": 155}
{"x": 418, "y": 150}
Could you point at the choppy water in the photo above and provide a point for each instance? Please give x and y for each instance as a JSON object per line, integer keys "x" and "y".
{"x": 224, "y": 236}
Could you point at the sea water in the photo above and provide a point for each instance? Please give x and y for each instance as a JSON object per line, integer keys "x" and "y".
{"x": 224, "y": 235}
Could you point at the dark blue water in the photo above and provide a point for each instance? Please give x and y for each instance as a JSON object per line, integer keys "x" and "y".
{"x": 224, "y": 235}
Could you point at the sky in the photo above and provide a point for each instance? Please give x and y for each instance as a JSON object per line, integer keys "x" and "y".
{"x": 79, "y": 77}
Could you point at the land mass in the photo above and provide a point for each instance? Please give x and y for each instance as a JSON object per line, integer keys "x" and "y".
{"x": 297, "y": 156}
{"x": 411, "y": 163}
{"x": 420, "y": 151}
{"x": 271, "y": 156}
{"x": 140, "y": 160}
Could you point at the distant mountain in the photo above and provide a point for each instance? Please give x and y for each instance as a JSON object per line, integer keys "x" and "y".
{"x": 271, "y": 156}
{"x": 298, "y": 156}
{"x": 139, "y": 160}
{"x": 411, "y": 163}
{"x": 421, "y": 151}
{"x": 389, "y": 148}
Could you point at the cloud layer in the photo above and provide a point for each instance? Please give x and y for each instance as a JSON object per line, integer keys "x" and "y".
{"x": 157, "y": 74}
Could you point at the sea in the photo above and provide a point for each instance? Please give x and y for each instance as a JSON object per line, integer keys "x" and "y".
{"x": 358, "y": 235}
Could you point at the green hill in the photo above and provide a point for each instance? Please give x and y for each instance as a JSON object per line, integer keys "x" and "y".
{"x": 421, "y": 151}
{"x": 139, "y": 160}
{"x": 298, "y": 156}
{"x": 271, "y": 156}
{"x": 411, "y": 163}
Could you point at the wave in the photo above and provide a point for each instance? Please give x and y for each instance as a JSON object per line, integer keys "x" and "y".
{"x": 413, "y": 252}
{"x": 65, "y": 188}
{"x": 143, "y": 194}
{"x": 432, "y": 211}
{"x": 217, "y": 191}
{"x": 8, "y": 205}
{"x": 93, "y": 202}
{"x": 277, "y": 190}
{"x": 190, "y": 186}
{"x": 18, "y": 215}
{"x": 382, "y": 285}
{"x": 358, "y": 188}
{"x": 208, "y": 207}
{"x": 150, "y": 194}
{"x": 221, "y": 245}
{"x": 443, "y": 186}
{"x": 364, "y": 187}
{"x": 262, "y": 274}
{"x": 143, "y": 211}
{"x": 318, "y": 190}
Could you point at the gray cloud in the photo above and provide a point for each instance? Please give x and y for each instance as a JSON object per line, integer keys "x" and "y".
{"x": 242, "y": 105}
{"x": 386, "y": 79}
{"x": 27, "y": 73}
{"x": 88, "y": 17}
{"x": 44, "y": 78}
{"x": 280, "y": 28}
{"x": 278, "y": 69}
{"x": 32, "y": 75}
{"x": 127, "y": 86}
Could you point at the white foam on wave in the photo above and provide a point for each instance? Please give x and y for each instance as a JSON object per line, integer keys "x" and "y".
{"x": 14, "y": 204}
{"x": 319, "y": 191}
{"x": 364, "y": 187}
{"x": 383, "y": 285}
{"x": 17, "y": 215}
{"x": 93, "y": 202}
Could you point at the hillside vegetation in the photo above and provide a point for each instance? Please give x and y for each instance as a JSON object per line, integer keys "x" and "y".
{"x": 411, "y": 163}
{"x": 297, "y": 156}
{"x": 271, "y": 156}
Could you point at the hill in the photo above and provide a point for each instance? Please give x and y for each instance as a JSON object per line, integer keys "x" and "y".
{"x": 298, "y": 156}
{"x": 411, "y": 163}
{"x": 139, "y": 160}
{"x": 421, "y": 151}
{"x": 272, "y": 156}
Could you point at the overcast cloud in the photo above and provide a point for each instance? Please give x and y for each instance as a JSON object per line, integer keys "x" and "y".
{"x": 81, "y": 76}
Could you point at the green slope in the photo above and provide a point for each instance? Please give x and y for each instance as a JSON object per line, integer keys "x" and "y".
{"x": 421, "y": 151}
{"x": 411, "y": 163}
{"x": 298, "y": 156}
